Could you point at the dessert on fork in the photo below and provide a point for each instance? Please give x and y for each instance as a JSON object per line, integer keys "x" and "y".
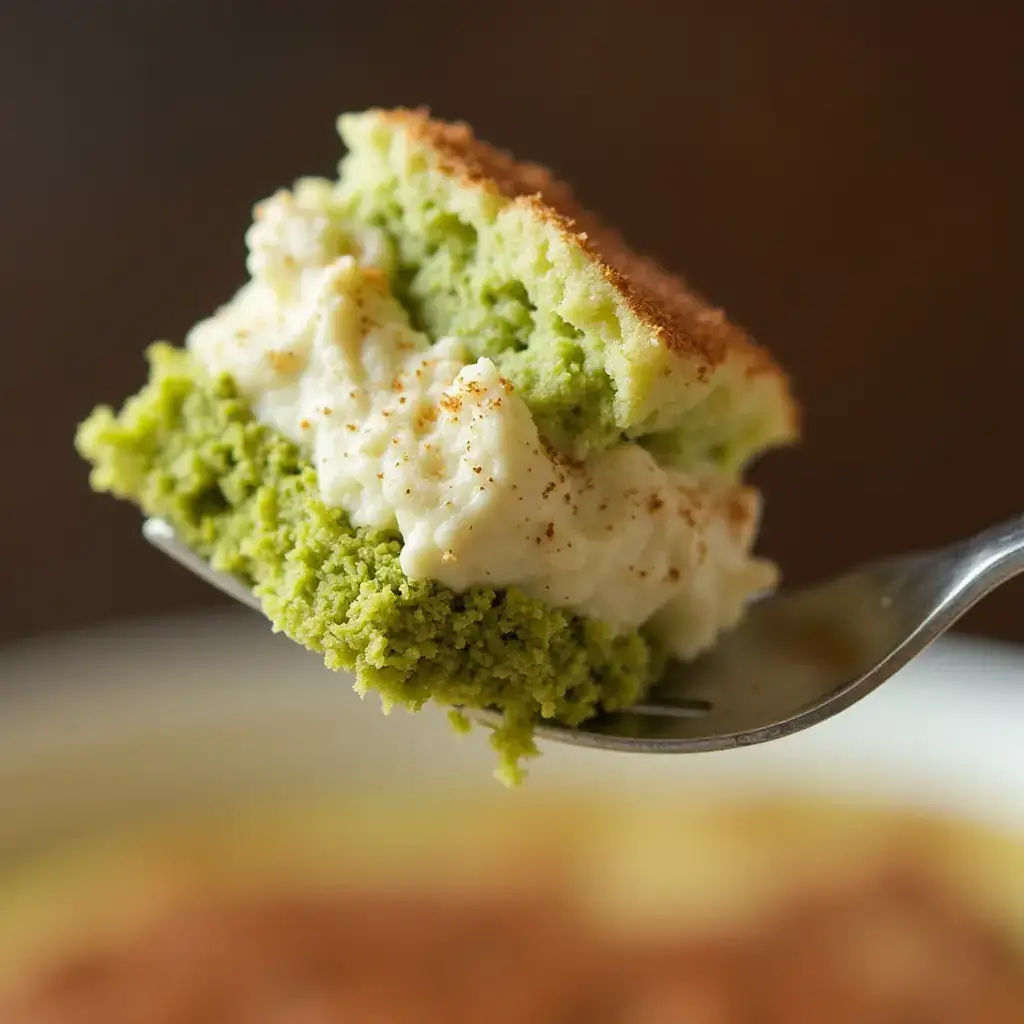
{"x": 459, "y": 438}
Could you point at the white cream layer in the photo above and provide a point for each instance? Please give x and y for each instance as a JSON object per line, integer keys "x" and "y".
{"x": 421, "y": 438}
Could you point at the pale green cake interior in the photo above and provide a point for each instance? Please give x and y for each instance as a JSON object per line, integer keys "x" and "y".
{"x": 473, "y": 263}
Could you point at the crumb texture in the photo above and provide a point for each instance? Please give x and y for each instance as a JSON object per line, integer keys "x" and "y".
{"x": 600, "y": 342}
{"x": 189, "y": 449}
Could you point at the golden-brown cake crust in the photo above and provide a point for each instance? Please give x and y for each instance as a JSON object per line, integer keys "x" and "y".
{"x": 680, "y": 318}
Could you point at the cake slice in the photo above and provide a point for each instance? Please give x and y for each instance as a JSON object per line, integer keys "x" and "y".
{"x": 459, "y": 438}
{"x": 603, "y": 342}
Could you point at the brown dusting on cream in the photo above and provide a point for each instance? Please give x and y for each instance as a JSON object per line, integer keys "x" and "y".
{"x": 285, "y": 362}
{"x": 426, "y": 418}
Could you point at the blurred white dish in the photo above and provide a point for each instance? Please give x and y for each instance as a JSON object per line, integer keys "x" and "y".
{"x": 183, "y": 707}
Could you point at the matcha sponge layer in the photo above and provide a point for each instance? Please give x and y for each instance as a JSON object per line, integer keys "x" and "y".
{"x": 601, "y": 343}
{"x": 187, "y": 448}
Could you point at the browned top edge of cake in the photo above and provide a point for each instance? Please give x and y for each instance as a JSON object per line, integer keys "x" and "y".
{"x": 662, "y": 301}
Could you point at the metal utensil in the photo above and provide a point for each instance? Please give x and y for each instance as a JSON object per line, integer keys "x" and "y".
{"x": 796, "y": 658}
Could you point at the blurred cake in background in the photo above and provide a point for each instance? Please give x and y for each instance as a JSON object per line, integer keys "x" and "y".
{"x": 545, "y": 911}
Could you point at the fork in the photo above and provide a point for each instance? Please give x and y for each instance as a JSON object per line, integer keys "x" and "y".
{"x": 795, "y": 660}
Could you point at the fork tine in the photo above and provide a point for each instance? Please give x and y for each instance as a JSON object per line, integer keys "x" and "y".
{"x": 160, "y": 534}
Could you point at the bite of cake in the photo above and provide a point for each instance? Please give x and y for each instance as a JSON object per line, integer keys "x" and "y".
{"x": 459, "y": 438}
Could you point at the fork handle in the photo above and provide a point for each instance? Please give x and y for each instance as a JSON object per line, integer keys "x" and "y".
{"x": 996, "y": 554}
{"x": 956, "y": 577}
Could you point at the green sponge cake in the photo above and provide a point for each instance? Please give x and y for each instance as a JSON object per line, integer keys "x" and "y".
{"x": 459, "y": 439}
{"x": 602, "y": 342}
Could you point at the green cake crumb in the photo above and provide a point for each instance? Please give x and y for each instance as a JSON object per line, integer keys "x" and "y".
{"x": 188, "y": 448}
{"x": 483, "y": 253}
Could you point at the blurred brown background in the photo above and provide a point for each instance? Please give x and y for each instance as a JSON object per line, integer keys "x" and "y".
{"x": 844, "y": 177}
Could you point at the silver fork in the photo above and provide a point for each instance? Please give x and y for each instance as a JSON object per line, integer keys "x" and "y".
{"x": 795, "y": 660}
